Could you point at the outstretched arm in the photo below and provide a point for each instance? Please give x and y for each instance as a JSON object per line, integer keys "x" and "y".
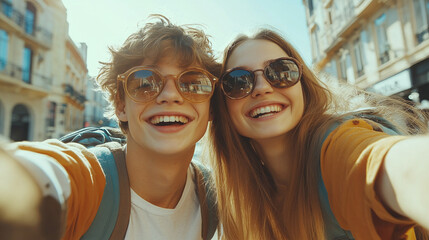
{"x": 65, "y": 175}
{"x": 352, "y": 159}
{"x": 20, "y": 200}
{"x": 403, "y": 182}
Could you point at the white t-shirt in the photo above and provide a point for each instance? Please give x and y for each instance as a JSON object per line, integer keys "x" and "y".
{"x": 148, "y": 221}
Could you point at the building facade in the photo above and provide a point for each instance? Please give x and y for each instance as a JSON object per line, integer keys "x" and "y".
{"x": 95, "y": 106}
{"x": 377, "y": 45}
{"x": 42, "y": 72}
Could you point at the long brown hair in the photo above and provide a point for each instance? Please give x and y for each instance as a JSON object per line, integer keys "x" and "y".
{"x": 246, "y": 190}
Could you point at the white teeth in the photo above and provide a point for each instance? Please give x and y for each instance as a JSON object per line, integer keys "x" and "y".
{"x": 159, "y": 119}
{"x": 266, "y": 111}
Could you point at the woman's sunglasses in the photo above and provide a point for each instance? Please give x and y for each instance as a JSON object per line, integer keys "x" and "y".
{"x": 239, "y": 82}
{"x": 143, "y": 84}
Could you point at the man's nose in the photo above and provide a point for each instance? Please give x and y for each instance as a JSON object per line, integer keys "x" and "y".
{"x": 170, "y": 93}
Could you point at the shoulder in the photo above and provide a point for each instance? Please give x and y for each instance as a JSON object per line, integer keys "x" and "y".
{"x": 354, "y": 125}
{"x": 48, "y": 146}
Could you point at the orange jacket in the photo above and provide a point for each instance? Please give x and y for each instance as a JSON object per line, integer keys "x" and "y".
{"x": 87, "y": 181}
{"x": 351, "y": 157}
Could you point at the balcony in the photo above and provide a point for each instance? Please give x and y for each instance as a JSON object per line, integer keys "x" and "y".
{"x": 38, "y": 36}
{"x": 422, "y": 35}
{"x": 10, "y": 14}
{"x": 346, "y": 24}
{"x": 11, "y": 78}
{"x": 15, "y": 71}
{"x": 74, "y": 95}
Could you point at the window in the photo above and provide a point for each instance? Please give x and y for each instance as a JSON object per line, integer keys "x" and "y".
{"x": 382, "y": 41}
{"x": 4, "y": 42}
{"x": 358, "y": 52}
{"x": 343, "y": 68}
{"x": 6, "y": 7}
{"x": 27, "y": 64}
{"x": 315, "y": 44}
{"x": 421, "y": 9}
{"x": 52, "y": 108}
{"x": 30, "y": 18}
{"x": 344, "y": 65}
{"x": 20, "y": 123}
{"x": 310, "y": 7}
{"x": 331, "y": 68}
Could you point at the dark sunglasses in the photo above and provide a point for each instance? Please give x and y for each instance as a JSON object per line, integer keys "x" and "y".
{"x": 143, "y": 84}
{"x": 239, "y": 82}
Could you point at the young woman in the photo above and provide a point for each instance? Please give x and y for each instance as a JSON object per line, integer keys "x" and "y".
{"x": 274, "y": 178}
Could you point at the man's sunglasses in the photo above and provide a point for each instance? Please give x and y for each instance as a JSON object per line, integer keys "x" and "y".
{"x": 240, "y": 82}
{"x": 143, "y": 84}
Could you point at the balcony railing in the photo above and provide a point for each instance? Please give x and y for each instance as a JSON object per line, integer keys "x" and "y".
{"x": 16, "y": 72}
{"x": 384, "y": 57}
{"x": 41, "y": 34}
{"x": 422, "y": 35}
{"x": 10, "y": 12}
{"x": 44, "y": 35}
{"x": 73, "y": 94}
{"x": 6, "y": 8}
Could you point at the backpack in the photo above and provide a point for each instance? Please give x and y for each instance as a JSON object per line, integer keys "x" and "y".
{"x": 112, "y": 218}
{"x": 332, "y": 227}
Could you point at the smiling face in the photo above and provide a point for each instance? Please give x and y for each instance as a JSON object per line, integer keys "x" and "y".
{"x": 267, "y": 112}
{"x": 169, "y": 124}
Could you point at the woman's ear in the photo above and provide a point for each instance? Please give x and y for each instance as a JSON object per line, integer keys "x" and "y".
{"x": 120, "y": 112}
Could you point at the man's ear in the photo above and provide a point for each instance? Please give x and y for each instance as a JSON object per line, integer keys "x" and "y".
{"x": 120, "y": 112}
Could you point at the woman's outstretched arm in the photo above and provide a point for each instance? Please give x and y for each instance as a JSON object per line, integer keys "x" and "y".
{"x": 403, "y": 182}
{"x": 352, "y": 159}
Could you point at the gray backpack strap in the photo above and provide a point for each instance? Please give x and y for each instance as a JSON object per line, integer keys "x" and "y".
{"x": 207, "y": 198}
{"x": 105, "y": 219}
{"x": 332, "y": 227}
{"x": 112, "y": 218}
{"x": 121, "y": 226}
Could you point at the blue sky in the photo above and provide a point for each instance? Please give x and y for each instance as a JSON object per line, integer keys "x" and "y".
{"x": 103, "y": 23}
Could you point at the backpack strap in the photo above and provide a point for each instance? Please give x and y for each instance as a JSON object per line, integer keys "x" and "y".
{"x": 207, "y": 198}
{"x": 123, "y": 218}
{"x": 105, "y": 219}
{"x": 112, "y": 218}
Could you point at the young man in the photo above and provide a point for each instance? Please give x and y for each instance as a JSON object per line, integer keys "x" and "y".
{"x": 159, "y": 83}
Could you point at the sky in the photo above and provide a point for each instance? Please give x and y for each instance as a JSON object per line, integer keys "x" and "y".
{"x": 104, "y": 23}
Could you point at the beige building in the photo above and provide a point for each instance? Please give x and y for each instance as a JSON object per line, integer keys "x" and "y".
{"x": 95, "y": 106}
{"x": 42, "y": 72}
{"x": 378, "y": 45}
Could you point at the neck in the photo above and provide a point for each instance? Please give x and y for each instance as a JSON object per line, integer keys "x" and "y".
{"x": 158, "y": 178}
{"x": 277, "y": 155}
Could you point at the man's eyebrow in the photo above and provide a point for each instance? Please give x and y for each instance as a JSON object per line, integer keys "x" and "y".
{"x": 151, "y": 66}
{"x": 265, "y": 63}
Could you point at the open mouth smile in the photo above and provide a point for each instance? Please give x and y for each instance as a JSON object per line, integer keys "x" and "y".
{"x": 266, "y": 111}
{"x": 170, "y": 120}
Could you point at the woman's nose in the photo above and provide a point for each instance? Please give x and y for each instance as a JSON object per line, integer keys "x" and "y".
{"x": 262, "y": 86}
